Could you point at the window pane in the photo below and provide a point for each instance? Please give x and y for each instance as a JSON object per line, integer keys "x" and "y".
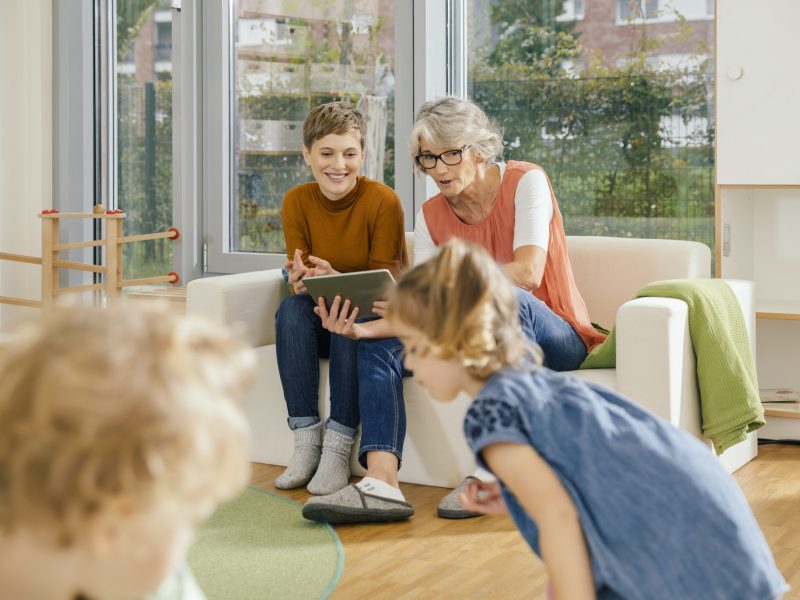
{"x": 144, "y": 131}
{"x": 628, "y": 9}
{"x": 290, "y": 57}
{"x": 635, "y": 9}
{"x": 618, "y": 115}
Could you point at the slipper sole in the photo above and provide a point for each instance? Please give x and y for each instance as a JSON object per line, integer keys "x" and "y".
{"x": 457, "y": 514}
{"x": 345, "y": 514}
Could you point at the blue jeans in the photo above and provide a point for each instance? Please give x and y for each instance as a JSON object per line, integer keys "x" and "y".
{"x": 300, "y": 342}
{"x": 381, "y": 372}
{"x": 561, "y": 345}
{"x": 380, "y": 392}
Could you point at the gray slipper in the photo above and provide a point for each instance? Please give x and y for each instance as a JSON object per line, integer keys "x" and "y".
{"x": 353, "y": 505}
{"x": 451, "y": 508}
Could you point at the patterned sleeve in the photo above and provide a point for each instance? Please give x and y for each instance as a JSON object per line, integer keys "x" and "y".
{"x": 492, "y": 420}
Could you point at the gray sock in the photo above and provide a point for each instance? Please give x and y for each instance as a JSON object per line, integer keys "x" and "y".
{"x": 333, "y": 472}
{"x": 307, "y": 449}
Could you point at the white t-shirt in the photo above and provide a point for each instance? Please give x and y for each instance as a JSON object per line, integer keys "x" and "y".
{"x": 534, "y": 211}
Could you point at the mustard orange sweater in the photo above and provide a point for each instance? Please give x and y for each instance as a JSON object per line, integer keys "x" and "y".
{"x": 362, "y": 231}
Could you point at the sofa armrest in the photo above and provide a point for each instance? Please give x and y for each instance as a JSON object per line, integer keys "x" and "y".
{"x": 655, "y": 360}
{"x": 245, "y": 300}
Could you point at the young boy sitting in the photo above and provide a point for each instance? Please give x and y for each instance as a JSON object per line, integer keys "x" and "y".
{"x": 119, "y": 434}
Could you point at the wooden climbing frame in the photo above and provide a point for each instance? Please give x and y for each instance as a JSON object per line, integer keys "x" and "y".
{"x": 111, "y": 271}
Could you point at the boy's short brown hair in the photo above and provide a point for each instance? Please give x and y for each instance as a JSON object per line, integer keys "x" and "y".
{"x": 98, "y": 405}
{"x": 334, "y": 117}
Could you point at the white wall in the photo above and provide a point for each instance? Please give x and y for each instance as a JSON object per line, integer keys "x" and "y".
{"x": 25, "y": 143}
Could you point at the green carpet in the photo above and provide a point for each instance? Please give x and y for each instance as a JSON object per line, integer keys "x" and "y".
{"x": 259, "y": 546}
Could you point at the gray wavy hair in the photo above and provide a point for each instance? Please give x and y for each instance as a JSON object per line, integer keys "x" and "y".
{"x": 451, "y": 122}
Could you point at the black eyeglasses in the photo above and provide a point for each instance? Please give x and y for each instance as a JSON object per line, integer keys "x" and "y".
{"x": 450, "y": 158}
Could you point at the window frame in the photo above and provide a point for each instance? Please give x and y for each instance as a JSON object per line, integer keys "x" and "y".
{"x": 570, "y": 14}
{"x": 421, "y": 59}
{"x": 76, "y": 104}
{"x": 85, "y": 127}
{"x": 661, "y": 6}
{"x": 430, "y": 42}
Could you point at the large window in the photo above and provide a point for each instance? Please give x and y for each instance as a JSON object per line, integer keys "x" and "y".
{"x": 286, "y": 58}
{"x": 619, "y": 115}
{"x": 143, "y": 125}
{"x": 615, "y": 105}
{"x": 618, "y": 112}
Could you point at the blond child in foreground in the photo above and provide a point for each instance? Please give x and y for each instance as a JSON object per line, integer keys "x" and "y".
{"x": 119, "y": 434}
{"x": 618, "y": 503}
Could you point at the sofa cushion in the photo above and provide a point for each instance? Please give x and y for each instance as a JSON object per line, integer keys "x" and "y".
{"x": 609, "y": 271}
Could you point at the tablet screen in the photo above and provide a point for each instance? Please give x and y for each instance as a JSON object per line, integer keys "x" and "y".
{"x": 362, "y": 288}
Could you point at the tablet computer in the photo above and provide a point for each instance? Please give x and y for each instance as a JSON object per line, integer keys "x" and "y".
{"x": 362, "y": 288}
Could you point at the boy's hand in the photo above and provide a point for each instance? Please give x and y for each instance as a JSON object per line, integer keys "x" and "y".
{"x": 479, "y": 496}
{"x": 337, "y": 320}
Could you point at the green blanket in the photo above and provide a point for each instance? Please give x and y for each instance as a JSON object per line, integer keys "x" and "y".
{"x": 729, "y": 402}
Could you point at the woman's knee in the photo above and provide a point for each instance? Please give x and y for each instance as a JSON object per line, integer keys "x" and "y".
{"x": 386, "y": 352}
{"x": 528, "y": 310}
{"x": 294, "y": 310}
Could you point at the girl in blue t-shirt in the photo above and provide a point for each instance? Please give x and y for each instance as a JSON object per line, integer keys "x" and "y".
{"x": 618, "y": 503}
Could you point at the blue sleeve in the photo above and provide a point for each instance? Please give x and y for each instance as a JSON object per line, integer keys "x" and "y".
{"x": 492, "y": 420}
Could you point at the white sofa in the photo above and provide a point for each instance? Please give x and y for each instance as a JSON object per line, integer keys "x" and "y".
{"x": 655, "y": 360}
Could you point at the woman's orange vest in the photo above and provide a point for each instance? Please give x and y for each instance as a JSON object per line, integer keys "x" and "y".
{"x": 496, "y": 233}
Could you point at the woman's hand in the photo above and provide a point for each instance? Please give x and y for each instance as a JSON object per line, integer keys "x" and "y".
{"x": 379, "y": 307}
{"x": 321, "y": 267}
{"x": 337, "y": 320}
{"x": 297, "y": 270}
{"x": 479, "y": 496}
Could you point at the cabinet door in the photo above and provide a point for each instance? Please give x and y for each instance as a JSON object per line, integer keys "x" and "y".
{"x": 758, "y": 92}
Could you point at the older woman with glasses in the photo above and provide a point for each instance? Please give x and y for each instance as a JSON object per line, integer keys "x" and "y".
{"x": 508, "y": 208}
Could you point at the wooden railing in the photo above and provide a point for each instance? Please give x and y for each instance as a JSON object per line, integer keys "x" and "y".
{"x": 110, "y": 272}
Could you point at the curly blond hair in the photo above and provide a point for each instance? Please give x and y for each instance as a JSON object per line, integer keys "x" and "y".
{"x": 466, "y": 308}
{"x": 97, "y": 405}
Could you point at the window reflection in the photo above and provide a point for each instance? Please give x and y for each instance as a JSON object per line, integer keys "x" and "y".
{"x": 618, "y": 111}
{"x": 289, "y": 57}
{"x": 144, "y": 131}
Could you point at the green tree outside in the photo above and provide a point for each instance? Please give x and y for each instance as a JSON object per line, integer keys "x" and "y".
{"x": 599, "y": 131}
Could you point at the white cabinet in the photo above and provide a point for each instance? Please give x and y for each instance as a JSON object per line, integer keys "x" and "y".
{"x": 758, "y": 92}
{"x": 758, "y": 179}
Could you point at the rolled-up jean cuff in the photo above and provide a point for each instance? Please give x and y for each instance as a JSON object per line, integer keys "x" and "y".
{"x": 339, "y": 428}
{"x": 300, "y": 422}
{"x": 362, "y": 454}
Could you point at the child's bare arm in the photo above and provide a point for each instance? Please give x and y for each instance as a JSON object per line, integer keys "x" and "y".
{"x": 544, "y": 497}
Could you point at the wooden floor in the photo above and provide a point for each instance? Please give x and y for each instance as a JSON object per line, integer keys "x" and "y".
{"x": 428, "y": 557}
